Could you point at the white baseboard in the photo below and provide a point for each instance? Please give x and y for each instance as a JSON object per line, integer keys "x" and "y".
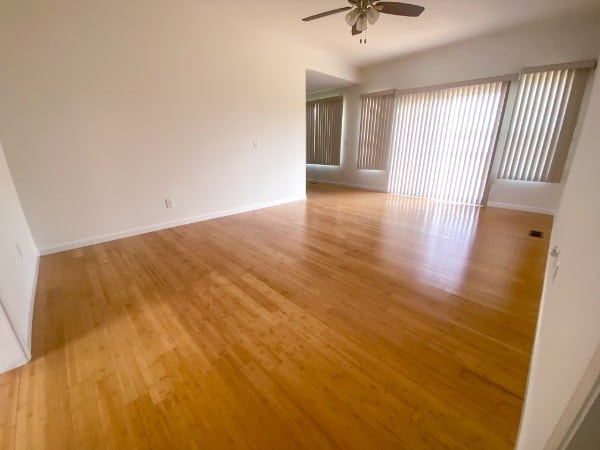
{"x": 362, "y": 187}
{"x": 162, "y": 226}
{"x": 525, "y": 208}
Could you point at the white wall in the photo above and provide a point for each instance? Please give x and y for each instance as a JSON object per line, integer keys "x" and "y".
{"x": 107, "y": 108}
{"x": 18, "y": 274}
{"x": 12, "y": 354}
{"x": 527, "y": 196}
{"x": 569, "y": 322}
{"x": 559, "y": 40}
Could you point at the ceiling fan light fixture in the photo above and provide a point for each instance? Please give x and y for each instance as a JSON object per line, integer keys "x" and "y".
{"x": 362, "y": 13}
{"x": 362, "y": 23}
{"x": 352, "y": 17}
{"x": 372, "y": 15}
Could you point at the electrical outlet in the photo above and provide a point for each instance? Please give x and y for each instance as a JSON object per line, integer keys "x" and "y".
{"x": 169, "y": 202}
{"x": 254, "y": 144}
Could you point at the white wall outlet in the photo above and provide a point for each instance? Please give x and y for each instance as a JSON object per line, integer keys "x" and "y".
{"x": 254, "y": 144}
{"x": 169, "y": 202}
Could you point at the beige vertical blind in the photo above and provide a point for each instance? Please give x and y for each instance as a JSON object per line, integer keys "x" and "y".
{"x": 444, "y": 140}
{"x": 542, "y": 124}
{"x": 376, "y": 116}
{"x": 324, "y": 131}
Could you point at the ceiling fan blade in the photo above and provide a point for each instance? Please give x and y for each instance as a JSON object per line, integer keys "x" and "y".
{"x": 327, "y": 13}
{"x": 399, "y": 9}
{"x": 355, "y": 30}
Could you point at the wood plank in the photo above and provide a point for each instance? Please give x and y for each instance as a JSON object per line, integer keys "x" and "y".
{"x": 354, "y": 320}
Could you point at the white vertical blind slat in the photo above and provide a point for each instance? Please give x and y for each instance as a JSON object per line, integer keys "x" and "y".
{"x": 567, "y": 86}
{"x": 543, "y": 102}
{"x": 375, "y": 131}
{"x": 323, "y": 131}
{"x": 443, "y": 141}
{"x": 551, "y": 114}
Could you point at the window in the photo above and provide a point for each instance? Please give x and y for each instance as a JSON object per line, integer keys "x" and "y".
{"x": 376, "y": 114}
{"x": 542, "y": 124}
{"x": 444, "y": 139}
{"x": 324, "y": 131}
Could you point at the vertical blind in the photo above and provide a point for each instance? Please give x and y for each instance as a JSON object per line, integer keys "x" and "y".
{"x": 376, "y": 113}
{"x": 542, "y": 124}
{"x": 324, "y": 130}
{"x": 444, "y": 140}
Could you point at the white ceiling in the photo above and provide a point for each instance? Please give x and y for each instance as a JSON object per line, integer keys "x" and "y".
{"x": 442, "y": 22}
{"x": 317, "y": 81}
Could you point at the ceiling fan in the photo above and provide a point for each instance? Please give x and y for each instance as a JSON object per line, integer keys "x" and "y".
{"x": 363, "y": 13}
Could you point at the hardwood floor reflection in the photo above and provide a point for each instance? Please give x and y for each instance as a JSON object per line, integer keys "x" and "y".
{"x": 356, "y": 320}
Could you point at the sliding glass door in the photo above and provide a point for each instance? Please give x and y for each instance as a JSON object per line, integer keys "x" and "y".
{"x": 443, "y": 141}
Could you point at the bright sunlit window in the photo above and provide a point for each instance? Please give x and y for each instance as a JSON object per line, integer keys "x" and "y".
{"x": 443, "y": 141}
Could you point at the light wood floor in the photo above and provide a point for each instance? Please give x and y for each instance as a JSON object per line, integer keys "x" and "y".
{"x": 355, "y": 320}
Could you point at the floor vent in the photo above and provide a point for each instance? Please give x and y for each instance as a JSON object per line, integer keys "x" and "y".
{"x": 536, "y": 233}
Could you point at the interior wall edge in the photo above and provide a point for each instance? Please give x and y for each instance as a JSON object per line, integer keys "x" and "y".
{"x": 25, "y": 341}
{"x": 13, "y": 353}
{"x": 19, "y": 259}
{"x": 34, "y": 281}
